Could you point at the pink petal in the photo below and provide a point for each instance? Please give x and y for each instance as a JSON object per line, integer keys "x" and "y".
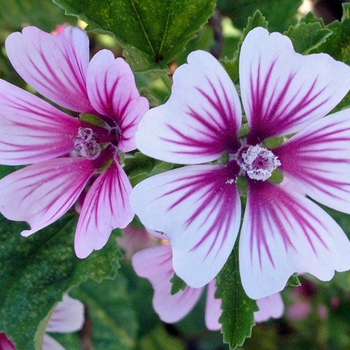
{"x": 105, "y": 208}
{"x": 155, "y": 264}
{"x": 43, "y": 192}
{"x": 31, "y": 130}
{"x": 270, "y": 306}
{"x": 284, "y": 233}
{"x": 6, "y": 343}
{"x": 54, "y": 65}
{"x": 212, "y": 308}
{"x": 199, "y": 208}
{"x": 283, "y": 91}
{"x": 201, "y": 119}
{"x": 113, "y": 93}
{"x": 51, "y": 344}
{"x": 317, "y": 160}
{"x": 67, "y": 317}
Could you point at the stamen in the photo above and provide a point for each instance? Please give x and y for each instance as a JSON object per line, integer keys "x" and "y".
{"x": 86, "y": 144}
{"x": 258, "y": 162}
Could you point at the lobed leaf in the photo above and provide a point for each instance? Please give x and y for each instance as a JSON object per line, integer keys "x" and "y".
{"x": 152, "y": 32}
{"x": 238, "y": 309}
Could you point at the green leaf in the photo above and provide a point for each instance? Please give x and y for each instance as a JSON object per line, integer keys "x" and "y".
{"x": 110, "y": 310}
{"x": 41, "y": 13}
{"x": 238, "y": 309}
{"x": 152, "y": 32}
{"x": 306, "y": 37}
{"x": 279, "y": 14}
{"x": 231, "y": 66}
{"x": 36, "y": 271}
{"x": 177, "y": 284}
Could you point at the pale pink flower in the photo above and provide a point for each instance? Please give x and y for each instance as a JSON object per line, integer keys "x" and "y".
{"x": 103, "y": 91}
{"x": 67, "y": 317}
{"x": 155, "y": 264}
{"x": 199, "y": 207}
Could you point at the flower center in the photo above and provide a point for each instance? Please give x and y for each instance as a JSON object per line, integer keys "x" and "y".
{"x": 86, "y": 144}
{"x": 258, "y": 162}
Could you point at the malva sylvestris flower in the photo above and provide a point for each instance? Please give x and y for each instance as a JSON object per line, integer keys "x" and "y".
{"x": 67, "y": 152}
{"x": 285, "y": 96}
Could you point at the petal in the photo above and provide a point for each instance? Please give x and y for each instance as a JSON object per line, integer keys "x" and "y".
{"x": 283, "y": 91}
{"x": 105, "y": 208}
{"x": 317, "y": 160}
{"x": 155, "y": 264}
{"x": 67, "y": 317}
{"x": 6, "y": 343}
{"x": 31, "y": 130}
{"x": 54, "y": 65}
{"x": 199, "y": 208}
{"x": 270, "y": 306}
{"x": 284, "y": 233}
{"x": 51, "y": 344}
{"x": 43, "y": 192}
{"x": 201, "y": 119}
{"x": 212, "y": 308}
{"x": 113, "y": 93}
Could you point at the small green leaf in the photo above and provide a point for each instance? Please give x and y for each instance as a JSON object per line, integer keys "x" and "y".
{"x": 36, "y": 271}
{"x": 294, "y": 281}
{"x": 177, "y": 284}
{"x": 306, "y": 37}
{"x": 238, "y": 309}
{"x": 110, "y": 310}
{"x": 152, "y": 32}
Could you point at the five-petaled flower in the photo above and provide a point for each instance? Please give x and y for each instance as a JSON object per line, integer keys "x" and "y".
{"x": 285, "y": 96}
{"x": 68, "y": 152}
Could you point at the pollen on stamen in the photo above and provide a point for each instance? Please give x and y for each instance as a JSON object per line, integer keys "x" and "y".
{"x": 258, "y": 162}
{"x": 86, "y": 144}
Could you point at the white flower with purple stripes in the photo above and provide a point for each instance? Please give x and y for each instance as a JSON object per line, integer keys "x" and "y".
{"x": 285, "y": 96}
{"x": 68, "y": 152}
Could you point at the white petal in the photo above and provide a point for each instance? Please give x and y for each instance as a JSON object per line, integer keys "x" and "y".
{"x": 43, "y": 192}
{"x": 54, "y": 65}
{"x": 51, "y": 344}
{"x": 155, "y": 264}
{"x": 317, "y": 160}
{"x": 199, "y": 208}
{"x": 31, "y": 130}
{"x": 113, "y": 94}
{"x": 105, "y": 208}
{"x": 201, "y": 119}
{"x": 284, "y": 233}
{"x": 283, "y": 91}
{"x": 67, "y": 317}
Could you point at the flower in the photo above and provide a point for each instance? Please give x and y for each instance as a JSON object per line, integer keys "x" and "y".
{"x": 67, "y": 317}
{"x": 155, "y": 264}
{"x": 68, "y": 152}
{"x": 285, "y": 96}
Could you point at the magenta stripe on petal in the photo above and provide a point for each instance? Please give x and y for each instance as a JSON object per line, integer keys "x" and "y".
{"x": 284, "y": 233}
{"x": 283, "y": 91}
{"x": 317, "y": 160}
{"x": 198, "y": 207}
{"x": 43, "y": 192}
{"x": 105, "y": 208}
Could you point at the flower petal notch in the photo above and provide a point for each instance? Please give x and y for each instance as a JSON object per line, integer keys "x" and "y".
{"x": 283, "y": 91}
